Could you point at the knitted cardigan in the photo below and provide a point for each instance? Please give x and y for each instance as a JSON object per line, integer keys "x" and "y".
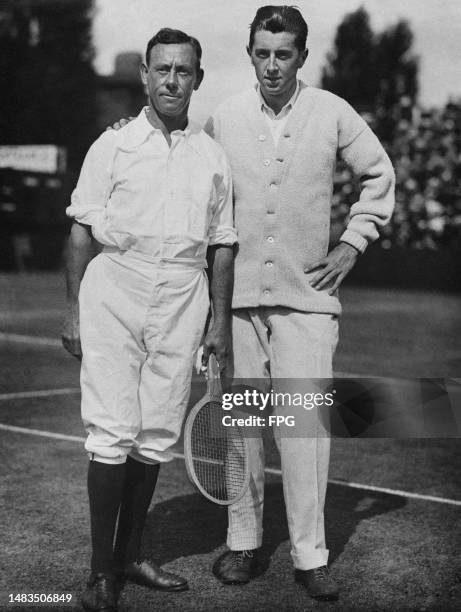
{"x": 283, "y": 193}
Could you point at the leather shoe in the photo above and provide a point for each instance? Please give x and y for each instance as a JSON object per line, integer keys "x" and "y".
{"x": 150, "y": 575}
{"x": 236, "y": 566}
{"x": 318, "y": 583}
{"x": 100, "y": 594}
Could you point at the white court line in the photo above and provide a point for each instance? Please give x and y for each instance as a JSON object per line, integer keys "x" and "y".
{"x": 44, "y": 393}
{"x": 41, "y": 433}
{"x": 36, "y": 313}
{"x": 398, "y": 492}
{"x": 341, "y": 483}
{"x": 408, "y": 494}
{"x": 23, "y": 339}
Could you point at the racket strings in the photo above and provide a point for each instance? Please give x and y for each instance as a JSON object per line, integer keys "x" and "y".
{"x": 218, "y": 454}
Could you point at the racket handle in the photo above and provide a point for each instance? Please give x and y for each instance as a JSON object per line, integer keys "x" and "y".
{"x": 213, "y": 375}
{"x": 213, "y": 367}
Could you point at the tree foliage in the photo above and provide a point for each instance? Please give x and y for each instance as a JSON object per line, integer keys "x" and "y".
{"x": 48, "y": 82}
{"x": 396, "y": 67}
{"x": 371, "y": 70}
{"x": 349, "y": 71}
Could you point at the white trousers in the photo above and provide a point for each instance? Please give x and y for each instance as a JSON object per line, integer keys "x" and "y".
{"x": 273, "y": 344}
{"x": 141, "y": 322}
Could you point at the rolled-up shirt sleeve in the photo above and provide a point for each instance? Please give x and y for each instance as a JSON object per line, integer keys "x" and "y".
{"x": 221, "y": 229}
{"x": 90, "y": 196}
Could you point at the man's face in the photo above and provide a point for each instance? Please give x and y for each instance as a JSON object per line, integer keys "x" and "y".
{"x": 276, "y": 60}
{"x": 171, "y": 77}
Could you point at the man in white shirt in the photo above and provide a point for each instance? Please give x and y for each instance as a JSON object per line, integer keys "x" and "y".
{"x": 158, "y": 196}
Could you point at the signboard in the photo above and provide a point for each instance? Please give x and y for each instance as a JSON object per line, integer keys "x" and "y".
{"x": 33, "y": 158}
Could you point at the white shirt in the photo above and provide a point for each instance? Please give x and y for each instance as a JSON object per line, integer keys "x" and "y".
{"x": 275, "y": 122}
{"x": 138, "y": 193}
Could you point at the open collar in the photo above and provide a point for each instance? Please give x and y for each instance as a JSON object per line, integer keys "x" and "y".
{"x": 285, "y": 108}
{"x": 136, "y": 132}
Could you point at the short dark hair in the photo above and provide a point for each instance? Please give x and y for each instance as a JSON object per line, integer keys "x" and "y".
{"x": 168, "y": 36}
{"x": 280, "y": 19}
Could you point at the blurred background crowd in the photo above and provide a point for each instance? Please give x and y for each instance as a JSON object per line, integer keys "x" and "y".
{"x": 425, "y": 148}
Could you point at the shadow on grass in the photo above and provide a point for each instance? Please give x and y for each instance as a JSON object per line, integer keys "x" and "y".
{"x": 189, "y": 525}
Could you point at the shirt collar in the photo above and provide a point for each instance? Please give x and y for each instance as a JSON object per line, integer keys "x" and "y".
{"x": 136, "y": 132}
{"x": 288, "y": 106}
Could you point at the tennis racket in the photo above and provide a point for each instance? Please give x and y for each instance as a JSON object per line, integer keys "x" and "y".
{"x": 216, "y": 455}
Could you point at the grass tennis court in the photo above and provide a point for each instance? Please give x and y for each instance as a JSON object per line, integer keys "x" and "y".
{"x": 388, "y": 550}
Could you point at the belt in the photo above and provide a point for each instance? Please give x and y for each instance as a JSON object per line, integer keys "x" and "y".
{"x": 198, "y": 263}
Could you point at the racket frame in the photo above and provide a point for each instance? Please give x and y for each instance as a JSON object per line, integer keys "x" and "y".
{"x": 213, "y": 394}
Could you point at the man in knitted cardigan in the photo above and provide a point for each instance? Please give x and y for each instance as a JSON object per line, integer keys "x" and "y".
{"x": 282, "y": 139}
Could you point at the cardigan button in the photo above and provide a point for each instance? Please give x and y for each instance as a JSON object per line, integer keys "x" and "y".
{"x": 262, "y": 138}
{"x": 267, "y": 162}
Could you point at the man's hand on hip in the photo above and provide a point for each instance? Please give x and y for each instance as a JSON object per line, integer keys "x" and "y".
{"x": 71, "y": 333}
{"x": 334, "y": 267}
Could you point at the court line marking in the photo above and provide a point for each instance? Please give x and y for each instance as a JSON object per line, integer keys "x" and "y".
{"x": 41, "y": 433}
{"x": 24, "y": 339}
{"x": 43, "y": 393}
{"x": 39, "y": 313}
{"x": 397, "y": 492}
{"x": 342, "y": 483}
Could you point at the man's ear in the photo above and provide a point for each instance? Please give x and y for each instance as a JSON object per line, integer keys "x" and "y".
{"x": 303, "y": 57}
{"x": 198, "y": 82}
{"x": 250, "y": 55}
{"x": 143, "y": 71}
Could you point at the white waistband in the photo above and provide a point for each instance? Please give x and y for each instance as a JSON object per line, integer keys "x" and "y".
{"x": 188, "y": 262}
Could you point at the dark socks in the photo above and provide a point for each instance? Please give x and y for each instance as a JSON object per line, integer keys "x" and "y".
{"x": 105, "y": 482}
{"x": 140, "y": 481}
